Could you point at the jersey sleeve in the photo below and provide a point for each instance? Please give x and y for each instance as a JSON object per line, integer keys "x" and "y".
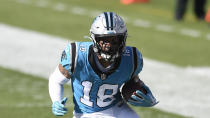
{"x": 68, "y": 56}
{"x": 139, "y": 62}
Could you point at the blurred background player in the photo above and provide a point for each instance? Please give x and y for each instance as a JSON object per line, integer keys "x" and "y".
{"x": 97, "y": 70}
{"x": 199, "y": 9}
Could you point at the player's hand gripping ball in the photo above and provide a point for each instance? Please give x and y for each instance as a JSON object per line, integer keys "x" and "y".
{"x": 137, "y": 93}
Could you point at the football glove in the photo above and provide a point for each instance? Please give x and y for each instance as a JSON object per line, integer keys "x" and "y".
{"x": 58, "y": 107}
{"x": 141, "y": 99}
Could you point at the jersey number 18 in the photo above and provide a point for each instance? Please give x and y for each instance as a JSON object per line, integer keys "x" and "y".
{"x": 101, "y": 96}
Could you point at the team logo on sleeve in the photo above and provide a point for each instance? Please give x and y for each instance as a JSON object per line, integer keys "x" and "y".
{"x": 82, "y": 48}
{"x": 63, "y": 57}
{"x": 126, "y": 53}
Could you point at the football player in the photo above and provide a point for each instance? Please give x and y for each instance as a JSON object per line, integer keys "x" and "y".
{"x": 97, "y": 70}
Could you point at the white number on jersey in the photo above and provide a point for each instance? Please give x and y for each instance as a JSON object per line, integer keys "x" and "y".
{"x": 86, "y": 90}
{"x": 101, "y": 94}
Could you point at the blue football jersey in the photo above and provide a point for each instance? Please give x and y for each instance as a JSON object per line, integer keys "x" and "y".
{"x": 93, "y": 90}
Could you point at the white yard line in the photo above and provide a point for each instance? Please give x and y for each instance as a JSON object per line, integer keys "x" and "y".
{"x": 43, "y": 4}
{"x": 78, "y": 11}
{"x": 180, "y": 90}
{"x": 29, "y": 51}
{"x": 60, "y": 7}
{"x": 190, "y": 32}
{"x": 142, "y": 23}
{"x": 165, "y": 28}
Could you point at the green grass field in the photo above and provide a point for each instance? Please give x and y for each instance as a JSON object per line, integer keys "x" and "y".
{"x": 27, "y": 96}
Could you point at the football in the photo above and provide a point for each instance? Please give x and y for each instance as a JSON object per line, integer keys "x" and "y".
{"x": 130, "y": 87}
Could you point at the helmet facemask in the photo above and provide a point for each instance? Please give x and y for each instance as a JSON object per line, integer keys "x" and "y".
{"x": 109, "y": 47}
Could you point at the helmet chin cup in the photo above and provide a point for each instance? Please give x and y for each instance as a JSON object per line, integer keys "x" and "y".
{"x": 106, "y": 57}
